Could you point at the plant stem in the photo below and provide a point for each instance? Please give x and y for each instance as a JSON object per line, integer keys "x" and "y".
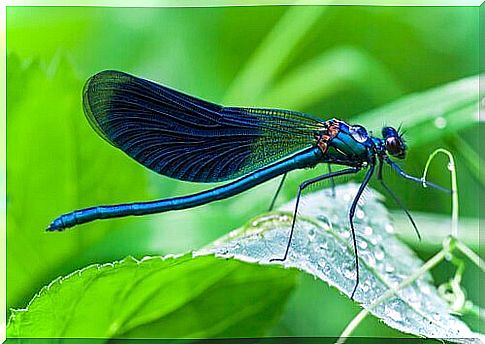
{"x": 431, "y": 263}
{"x": 454, "y": 187}
{"x": 475, "y": 258}
{"x": 470, "y": 156}
{"x": 476, "y": 311}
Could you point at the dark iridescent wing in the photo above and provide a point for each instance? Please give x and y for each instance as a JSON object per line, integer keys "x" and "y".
{"x": 186, "y": 138}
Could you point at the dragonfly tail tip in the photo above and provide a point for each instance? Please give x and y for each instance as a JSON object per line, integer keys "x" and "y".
{"x": 55, "y": 226}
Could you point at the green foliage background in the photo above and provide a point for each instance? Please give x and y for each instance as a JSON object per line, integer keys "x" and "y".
{"x": 328, "y": 61}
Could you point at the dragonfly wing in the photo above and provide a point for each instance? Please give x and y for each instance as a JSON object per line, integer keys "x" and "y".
{"x": 187, "y": 138}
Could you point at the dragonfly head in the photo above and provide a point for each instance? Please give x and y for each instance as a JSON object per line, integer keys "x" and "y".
{"x": 394, "y": 142}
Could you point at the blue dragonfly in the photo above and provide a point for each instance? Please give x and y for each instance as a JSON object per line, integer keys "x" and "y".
{"x": 186, "y": 138}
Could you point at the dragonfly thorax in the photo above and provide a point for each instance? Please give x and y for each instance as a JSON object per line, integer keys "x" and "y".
{"x": 352, "y": 145}
{"x": 345, "y": 144}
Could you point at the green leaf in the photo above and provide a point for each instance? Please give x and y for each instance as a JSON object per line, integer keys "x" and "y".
{"x": 322, "y": 247}
{"x": 171, "y": 297}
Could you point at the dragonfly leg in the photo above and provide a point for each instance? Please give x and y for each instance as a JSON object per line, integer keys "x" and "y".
{"x": 396, "y": 198}
{"x": 353, "y": 207}
{"x": 414, "y": 179}
{"x": 302, "y": 186}
{"x": 280, "y": 186}
{"x": 332, "y": 181}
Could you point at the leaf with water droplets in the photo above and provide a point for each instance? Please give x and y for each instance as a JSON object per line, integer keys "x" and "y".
{"x": 322, "y": 246}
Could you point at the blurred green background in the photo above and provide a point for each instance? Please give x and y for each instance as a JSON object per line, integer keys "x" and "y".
{"x": 328, "y": 61}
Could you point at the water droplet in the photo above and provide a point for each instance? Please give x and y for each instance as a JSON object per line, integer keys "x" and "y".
{"x": 326, "y": 223}
{"x": 379, "y": 253}
{"x": 311, "y": 234}
{"x": 425, "y": 289}
{"x": 451, "y": 166}
{"x": 323, "y": 246}
{"x": 440, "y": 122}
{"x": 365, "y": 286}
{"x": 360, "y": 214}
{"x": 371, "y": 261}
{"x": 393, "y": 314}
{"x": 389, "y": 228}
{"x": 389, "y": 268}
{"x": 349, "y": 272}
{"x": 284, "y": 218}
{"x": 345, "y": 234}
{"x": 395, "y": 279}
{"x": 368, "y": 230}
{"x": 322, "y": 263}
{"x": 412, "y": 296}
{"x": 362, "y": 245}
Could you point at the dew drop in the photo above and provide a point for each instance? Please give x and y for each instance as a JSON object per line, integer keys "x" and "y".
{"x": 371, "y": 261}
{"x": 451, "y": 166}
{"x": 393, "y": 314}
{"x": 345, "y": 234}
{"x": 324, "y": 246}
{"x": 322, "y": 263}
{"x": 284, "y": 218}
{"x": 440, "y": 122}
{"x": 379, "y": 253}
{"x": 349, "y": 272}
{"x": 389, "y": 268}
{"x": 412, "y": 297}
{"x": 425, "y": 289}
{"x": 311, "y": 234}
{"x": 362, "y": 245}
{"x": 389, "y": 228}
{"x": 365, "y": 287}
{"x": 359, "y": 214}
{"x": 326, "y": 223}
{"x": 436, "y": 317}
{"x": 368, "y": 230}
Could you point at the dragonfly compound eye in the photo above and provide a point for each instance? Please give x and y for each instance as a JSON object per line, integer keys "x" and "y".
{"x": 395, "y": 145}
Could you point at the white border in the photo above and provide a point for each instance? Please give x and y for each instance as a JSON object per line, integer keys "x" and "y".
{"x": 3, "y": 172}
{"x": 214, "y": 3}
{"x": 140, "y": 3}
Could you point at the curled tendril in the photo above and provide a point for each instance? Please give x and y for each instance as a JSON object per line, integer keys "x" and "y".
{"x": 454, "y": 187}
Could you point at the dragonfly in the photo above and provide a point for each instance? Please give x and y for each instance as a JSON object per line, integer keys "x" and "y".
{"x": 190, "y": 139}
